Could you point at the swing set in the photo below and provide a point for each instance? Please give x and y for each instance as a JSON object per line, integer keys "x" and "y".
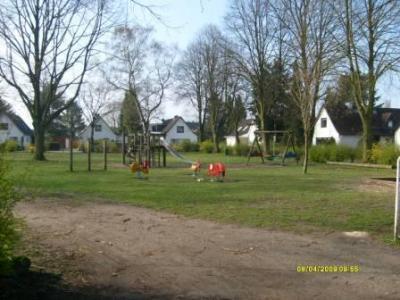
{"x": 286, "y": 137}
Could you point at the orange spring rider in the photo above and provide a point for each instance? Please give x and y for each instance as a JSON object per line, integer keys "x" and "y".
{"x": 216, "y": 170}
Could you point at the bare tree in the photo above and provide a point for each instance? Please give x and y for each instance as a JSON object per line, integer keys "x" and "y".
{"x": 310, "y": 26}
{"x": 372, "y": 48}
{"x": 142, "y": 68}
{"x": 52, "y": 42}
{"x": 95, "y": 102}
{"x": 190, "y": 77}
{"x": 252, "y": 25}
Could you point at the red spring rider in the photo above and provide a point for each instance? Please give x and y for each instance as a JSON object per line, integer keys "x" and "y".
{"x": 217, "y": 171}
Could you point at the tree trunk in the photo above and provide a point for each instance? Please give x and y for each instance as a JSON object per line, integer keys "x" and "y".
{"x": 264, "y": 138}
{"x": 39, "y": 142}
{"x": 215, "y": 141}
{"x": 237, "y": 137}
{"x": 366, "y": 137}
{"x": 306, "y": 150}
{"x": 92, "y": 138}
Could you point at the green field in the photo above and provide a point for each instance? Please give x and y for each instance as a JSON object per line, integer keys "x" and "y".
{"x": 328, "y": 198}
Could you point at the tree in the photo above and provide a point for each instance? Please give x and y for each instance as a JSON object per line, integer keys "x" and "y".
{"x": 372, "y": 47}
{"x": 94, "y": 100}
{"x": 310, "y": 26}
{"x": 340, "y": 96}
{"x": 214, "y": 55}
{"x": 190, "y": 76}
{"x": 251, "y": 24}
{"x": 68, "y": 123}
{"x": 142, "y": 68}
{"x": 236, "y": 111}
{"x": 130, "y": 116}
{"x": 52, "y": 42}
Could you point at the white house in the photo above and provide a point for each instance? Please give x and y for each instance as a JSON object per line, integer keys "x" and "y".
{"x": 101, "y": 131}
{"x": 345, "y": 127}
{"x": 12, "y": 127}
{"x": 176, "y": 130}
{"x": 247, "y": 129}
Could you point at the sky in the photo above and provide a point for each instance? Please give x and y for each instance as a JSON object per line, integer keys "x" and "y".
{"x": 181, "y": 22}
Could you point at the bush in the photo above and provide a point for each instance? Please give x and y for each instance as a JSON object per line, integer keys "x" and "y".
{"x": 385, "y": 154}
{"x": 9, "y": 146}
{"x": 242, "y": 149}
{"x": 8, "y": 232}
{"x": 207, "y": 146}
{"x": 186, "y": 146}
{"x": 323, "y": 153}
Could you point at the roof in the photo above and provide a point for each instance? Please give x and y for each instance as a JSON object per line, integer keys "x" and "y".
{"x": 348, "y": 122}
{"x": 244, "y": 127}
{"x": 100, "y": 118}
{"x": 167, "y": 125}
{"x": 25, "y": 129}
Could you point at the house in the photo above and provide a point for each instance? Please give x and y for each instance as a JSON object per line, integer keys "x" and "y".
{"x": 246, "y": 133}
{"x": 176, "y": 130}
{"x": 101, "y": 131}
{"x": 345, "y": 127}
{"x": 12, "y": 127}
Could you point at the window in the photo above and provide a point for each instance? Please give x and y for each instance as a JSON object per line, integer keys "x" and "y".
{"x": 323, "y": 123}
{"x": 180, "y": 129}
{"x": 390, "y": 124}
{"x": 97, "y": 128}
{"x": 3, "y": 126}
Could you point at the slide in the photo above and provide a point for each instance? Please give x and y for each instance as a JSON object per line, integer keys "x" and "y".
{"x": 175, "y": 153}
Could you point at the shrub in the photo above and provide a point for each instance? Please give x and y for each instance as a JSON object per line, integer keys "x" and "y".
{"x": 9, "y": 146}
{"x": 187, "y": 146}
{"x": 207, "y": 146}
{"x": 8, "y": 232}
{"x": 385, "y": 154}
{"x": 242, "y": 149}
{"x": 323, "y": 153}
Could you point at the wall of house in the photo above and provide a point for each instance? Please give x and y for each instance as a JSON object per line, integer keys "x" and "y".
{"x": 247, "y": 138}
{"x": 105, "y": 133}
{"x": 349, "y": 140}
{"x": 327, "y": 132}
{"x": 173, "y": 136}
{"x": 230, "y": 140}
{"x": 13, "y": 132}
{"x": 397, "y": 137}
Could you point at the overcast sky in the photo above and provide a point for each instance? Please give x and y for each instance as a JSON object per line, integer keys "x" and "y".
{"x": 182, "y": 20}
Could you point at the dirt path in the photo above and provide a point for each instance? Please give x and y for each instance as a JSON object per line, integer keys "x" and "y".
{"x": 127, "y": 251}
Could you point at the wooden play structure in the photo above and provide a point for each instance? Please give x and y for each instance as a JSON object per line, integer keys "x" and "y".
{"x": 287, "y": 139}
{"x": 146, "y": 150}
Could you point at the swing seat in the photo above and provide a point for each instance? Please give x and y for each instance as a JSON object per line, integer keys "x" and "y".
{"x": 291, "y": 155}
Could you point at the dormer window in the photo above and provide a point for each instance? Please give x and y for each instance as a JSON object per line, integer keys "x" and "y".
{"x": 390, "y": 124}
{"x": 323, "y": 123}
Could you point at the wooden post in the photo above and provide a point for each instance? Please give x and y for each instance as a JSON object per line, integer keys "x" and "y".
{"x": 164, "y": 157}
{"x": 71, "y": 155}
{"x": 89, "y": 151}
{"x": 123, "y": 147}
{"x": 105, "y": 154}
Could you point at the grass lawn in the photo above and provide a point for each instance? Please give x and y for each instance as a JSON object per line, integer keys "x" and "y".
{"x": 328, "y": 198}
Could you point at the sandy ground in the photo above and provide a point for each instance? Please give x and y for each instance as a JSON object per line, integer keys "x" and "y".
{"x": 125, "y": 252}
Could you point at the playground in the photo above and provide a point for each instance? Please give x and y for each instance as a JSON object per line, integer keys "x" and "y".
{"x": 111, "y": 234}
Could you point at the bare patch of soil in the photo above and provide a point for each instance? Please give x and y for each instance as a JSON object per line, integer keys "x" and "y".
{"x": 125, "y": 252}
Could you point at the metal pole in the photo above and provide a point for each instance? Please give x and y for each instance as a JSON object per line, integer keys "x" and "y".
{"x": 396, "y": 208}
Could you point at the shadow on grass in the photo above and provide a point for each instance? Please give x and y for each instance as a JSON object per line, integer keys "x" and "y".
{"x": 48, "y": 286}
{"x": 391, "y": 179}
